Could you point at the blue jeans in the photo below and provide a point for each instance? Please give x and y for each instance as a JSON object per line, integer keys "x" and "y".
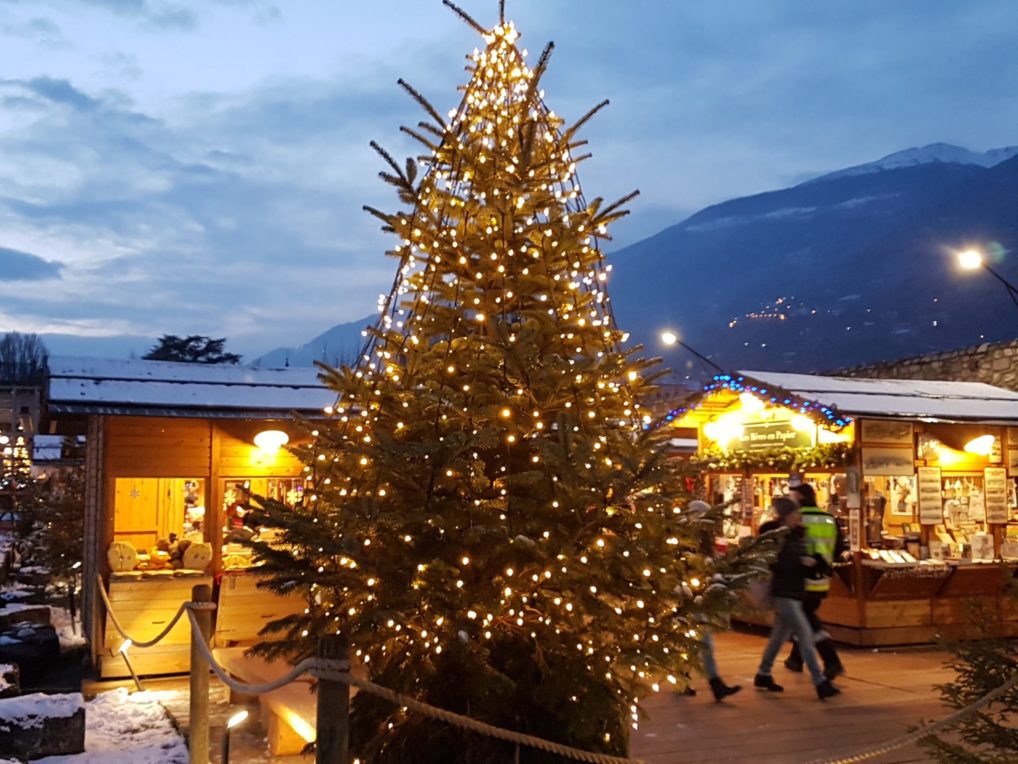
{"x": 710, "y": 666}
{"x": 790, "y": 619}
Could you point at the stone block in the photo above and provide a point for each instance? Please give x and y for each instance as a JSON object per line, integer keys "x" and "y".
{"x": 10, "y": 680}
{"x": 13, "y": 614}
{"x": 38, "y": 725}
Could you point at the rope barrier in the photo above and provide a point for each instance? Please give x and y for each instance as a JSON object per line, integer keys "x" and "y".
{"x": 148, "y": 643}
{"x": 338, "y": 671}
{"x": 923, "y": 732}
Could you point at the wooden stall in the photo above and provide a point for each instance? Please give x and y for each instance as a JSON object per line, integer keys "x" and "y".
{"x": 172, "y": 452}
{"x": 920, "y": 475}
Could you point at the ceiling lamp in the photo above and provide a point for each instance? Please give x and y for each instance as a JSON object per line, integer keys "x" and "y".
{"x": 271, "y": 440}
{"x": 982, "y": 446}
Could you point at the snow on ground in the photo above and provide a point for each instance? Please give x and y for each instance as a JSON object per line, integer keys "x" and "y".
{"x": 127, "y": 728}
{"x": 70, "y": 635}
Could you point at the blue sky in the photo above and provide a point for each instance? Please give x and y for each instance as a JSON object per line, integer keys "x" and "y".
{"x": 199, "y": 167}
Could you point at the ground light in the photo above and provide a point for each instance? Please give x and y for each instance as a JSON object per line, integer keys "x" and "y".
{"x": 235, "y": 721}
{"x": 124, "y": 648}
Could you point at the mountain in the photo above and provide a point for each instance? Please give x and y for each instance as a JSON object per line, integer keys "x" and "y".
{"x": 336, "y": 346}
{"x": 853, "y": 266}
{"x": 934, "y": 153}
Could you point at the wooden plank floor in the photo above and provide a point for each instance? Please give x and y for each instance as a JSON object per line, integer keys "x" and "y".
{"x": 883, "y": 694}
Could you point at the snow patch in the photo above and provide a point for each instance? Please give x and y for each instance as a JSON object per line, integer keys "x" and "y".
{"x": 125, "y": 728}
{"x": 31, "y": 710}
{"x": 69, "y": 634}
{"x": 934, "y": 153}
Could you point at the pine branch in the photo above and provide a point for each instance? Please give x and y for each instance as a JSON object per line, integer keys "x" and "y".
{"x": 424, "y": 102}
{"x": 416, "y": 135}
{"x": 386, "y": 156}
{"x": 583, "y": 120}
{"x": 385, "y": 218}
{"x": 465, "y": 16}
{"x": 612, "y": 213}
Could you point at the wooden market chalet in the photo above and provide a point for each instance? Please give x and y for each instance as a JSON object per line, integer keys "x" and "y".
{"x": 921, "y": 476}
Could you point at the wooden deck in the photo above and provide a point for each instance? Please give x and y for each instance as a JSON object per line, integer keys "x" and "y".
{"x": 883, "y": 694}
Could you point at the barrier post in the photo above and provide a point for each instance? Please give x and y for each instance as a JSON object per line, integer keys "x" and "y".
{"x": 198, "y": 734}
{"x": 333, "y": 711}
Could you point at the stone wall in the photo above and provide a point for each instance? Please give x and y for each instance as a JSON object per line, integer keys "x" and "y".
{"x": 993, "y": 363}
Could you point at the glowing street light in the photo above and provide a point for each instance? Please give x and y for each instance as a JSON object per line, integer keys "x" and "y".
{"x": 973, "y": 259}
{"x": 671, "y": 339}
{"x": 970, "y": 259}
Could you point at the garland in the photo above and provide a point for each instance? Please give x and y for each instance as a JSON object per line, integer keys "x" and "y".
{"x": 828, "y": 456}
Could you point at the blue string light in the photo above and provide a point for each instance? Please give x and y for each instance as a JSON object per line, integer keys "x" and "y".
{"x": 738, "y": 385}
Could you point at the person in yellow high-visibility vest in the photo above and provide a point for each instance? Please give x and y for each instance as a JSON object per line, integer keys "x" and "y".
{"x": 824, "y": 540}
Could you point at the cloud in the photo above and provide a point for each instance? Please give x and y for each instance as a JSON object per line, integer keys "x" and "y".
{"x": 242, "y": 214}
{"x": 157, "y": 15}
{"x": 16, "y": 265}
{"x": 41, "y": 31}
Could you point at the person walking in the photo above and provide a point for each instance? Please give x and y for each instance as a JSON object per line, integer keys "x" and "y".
{"x": 788, "y": 587}
{"x": 718, "y": 688}
{"x": 824, "y": 539}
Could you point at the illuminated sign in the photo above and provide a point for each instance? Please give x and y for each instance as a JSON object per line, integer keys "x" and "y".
{"x": 764, "y": 436}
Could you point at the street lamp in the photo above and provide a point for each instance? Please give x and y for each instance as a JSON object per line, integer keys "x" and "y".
{"x": 973, "y": 259}
{"x": 671, "y": 339}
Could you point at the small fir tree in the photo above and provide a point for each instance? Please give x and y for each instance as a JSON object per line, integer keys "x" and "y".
{"x": 57, "y": 543}
{"x": 491, "y": 522}
{"x": 987, "y": 736}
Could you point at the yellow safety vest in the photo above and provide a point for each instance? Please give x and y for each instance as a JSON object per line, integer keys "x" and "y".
{"x": 821, "y": 532}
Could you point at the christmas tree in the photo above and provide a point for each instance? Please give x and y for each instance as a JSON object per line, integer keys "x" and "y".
{"x": 983, "y": 664}
{"x": 493, "y": 524}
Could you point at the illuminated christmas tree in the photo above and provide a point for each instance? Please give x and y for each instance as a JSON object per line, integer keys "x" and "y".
{"x": 493, "y": 524}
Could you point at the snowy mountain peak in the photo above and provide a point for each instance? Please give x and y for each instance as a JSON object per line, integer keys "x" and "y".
{"x": 943, "y": 153}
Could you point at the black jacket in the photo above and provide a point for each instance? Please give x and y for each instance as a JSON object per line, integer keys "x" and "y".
{"x": 789, "y": 574}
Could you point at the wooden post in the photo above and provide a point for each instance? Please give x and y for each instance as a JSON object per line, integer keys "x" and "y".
{"x": 333, "y": 714}
{"x": 198, "y": 736}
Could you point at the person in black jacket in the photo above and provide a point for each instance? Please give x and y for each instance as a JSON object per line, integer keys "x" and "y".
{"x": 788, "y": 587}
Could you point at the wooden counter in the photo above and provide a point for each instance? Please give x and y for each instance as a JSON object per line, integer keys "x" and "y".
{"x": 874, "y": 603}
{"x": 144, "y": 604}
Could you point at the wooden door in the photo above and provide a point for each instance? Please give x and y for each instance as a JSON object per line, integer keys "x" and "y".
{"x": 136, "y": 512}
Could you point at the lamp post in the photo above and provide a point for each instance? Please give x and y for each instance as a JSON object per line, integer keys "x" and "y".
{"x": 237, "y": 719}
{"x": 973, "y": 259}
{"x": 671, "y": 339}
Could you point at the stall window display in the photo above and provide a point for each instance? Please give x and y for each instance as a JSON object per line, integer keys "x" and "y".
{"x": 890, "y": 504}
{"x": 155, "y": 521}
{"x": 242, "y": 518}
{"x": 752, "y": 496}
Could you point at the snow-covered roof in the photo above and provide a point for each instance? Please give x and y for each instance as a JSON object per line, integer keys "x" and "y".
{"x": 905, "y": 398}
{"x": 161, "y": 388}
